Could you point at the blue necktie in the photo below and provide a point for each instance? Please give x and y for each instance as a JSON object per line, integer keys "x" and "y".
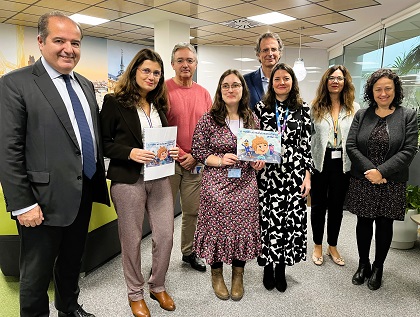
{"x": 89, "y": 164}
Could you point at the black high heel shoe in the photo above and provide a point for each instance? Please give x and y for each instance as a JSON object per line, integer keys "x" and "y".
{"x": 363, "y": 272}
{"x": 268, "y": 279}
{"x": 375, "y": 280}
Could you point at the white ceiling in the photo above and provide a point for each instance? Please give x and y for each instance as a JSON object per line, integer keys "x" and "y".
{"x": 325, "y": 23}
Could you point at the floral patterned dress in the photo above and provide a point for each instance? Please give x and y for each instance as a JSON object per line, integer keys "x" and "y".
{"x": 371, "y": 201}
{"x": 228, "y": 219}
{"x": 283, "y": 209}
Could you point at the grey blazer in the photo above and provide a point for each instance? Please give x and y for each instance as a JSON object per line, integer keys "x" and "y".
{"x": 40, "y": 159}
{"x": 403, "y": 133}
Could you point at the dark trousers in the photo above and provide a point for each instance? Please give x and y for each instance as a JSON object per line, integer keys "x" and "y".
{"x": 48, "y": 251}
{"x": 328, "y": 191}
{"x": 383, "y": 238}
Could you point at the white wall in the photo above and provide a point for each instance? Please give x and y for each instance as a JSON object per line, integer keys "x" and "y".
{"x": 214, "y": 60}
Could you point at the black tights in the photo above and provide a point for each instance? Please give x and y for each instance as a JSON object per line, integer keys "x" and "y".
{"x": 383, "y": 238}
{"x": 236, "y": 263}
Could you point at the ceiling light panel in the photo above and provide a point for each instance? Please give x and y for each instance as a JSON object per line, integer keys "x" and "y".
{"x": 271, "y": 18}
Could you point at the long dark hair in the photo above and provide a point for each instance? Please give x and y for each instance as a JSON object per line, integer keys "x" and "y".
{"x": 388, "y": 73}
{"x": 127, "y": 89}
{"x": 218, "y": 110}
{"x": 322, "y": 102}
{"x": 293, "y": 101}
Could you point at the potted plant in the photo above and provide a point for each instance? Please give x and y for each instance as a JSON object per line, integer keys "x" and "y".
{"x": 405, "y": 232}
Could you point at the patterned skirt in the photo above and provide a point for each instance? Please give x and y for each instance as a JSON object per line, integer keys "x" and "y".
{"x": 371, "y": 201}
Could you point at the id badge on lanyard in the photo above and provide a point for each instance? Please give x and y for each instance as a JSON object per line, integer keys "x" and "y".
{"x": 234, "y": 173}
{"x": 335, "y": 154}
{"x": 281, "y": 128}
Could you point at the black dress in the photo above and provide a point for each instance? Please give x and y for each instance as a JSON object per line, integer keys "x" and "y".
{"x": 369, "y": 200}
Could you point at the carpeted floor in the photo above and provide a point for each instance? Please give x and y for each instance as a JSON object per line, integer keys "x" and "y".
{"x": 312, "y": 291}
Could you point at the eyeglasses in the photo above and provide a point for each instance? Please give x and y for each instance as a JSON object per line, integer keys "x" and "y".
{"x": 338, "y": 78}
{"x": 188, "y": 60}
{"x": 147, "y": 72}
{"x": 270, "y": 50}
{"x": 234, "y": 86}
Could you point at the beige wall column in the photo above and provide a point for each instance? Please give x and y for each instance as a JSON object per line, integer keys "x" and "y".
{"x": 167, "y": 34}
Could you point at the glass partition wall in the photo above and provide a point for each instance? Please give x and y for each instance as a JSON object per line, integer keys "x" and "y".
{"x": 362, "y": 58}
{"x": 396, "y": 47}
{"x": 402, "y": 53}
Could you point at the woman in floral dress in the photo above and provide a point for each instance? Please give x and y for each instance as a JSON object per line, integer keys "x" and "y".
{"x": 228, "y": 222}
{"x": 283, "y": 187}
{"x": 381, "y": 145}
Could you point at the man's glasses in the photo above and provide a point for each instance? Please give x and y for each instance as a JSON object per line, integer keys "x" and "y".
{"x": 188, "y": 60}
{"x": 234, "y": 86}
{"x": 270, "y": 50}
{"x": 147, "y": 72}
{"x": 338, "y": 78}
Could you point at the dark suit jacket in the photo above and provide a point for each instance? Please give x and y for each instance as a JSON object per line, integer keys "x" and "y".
{"x": 121, "y": 132}
{"x": 40, "y": 158}
{"x": 403, "y": 132}
{"x": 255, "y": 87}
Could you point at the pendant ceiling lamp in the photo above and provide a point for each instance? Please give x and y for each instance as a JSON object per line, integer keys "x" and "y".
{"x": 299, "y": 66}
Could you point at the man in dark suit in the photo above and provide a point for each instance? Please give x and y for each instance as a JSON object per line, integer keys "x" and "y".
{"x": 51, "y": 166}
{"x": 268, "y": 50}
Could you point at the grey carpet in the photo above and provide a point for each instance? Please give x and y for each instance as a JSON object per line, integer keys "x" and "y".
{"x": 312, "y": 291}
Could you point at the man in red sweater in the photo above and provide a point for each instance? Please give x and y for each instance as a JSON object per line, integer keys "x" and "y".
{"x": 188, "y": 101}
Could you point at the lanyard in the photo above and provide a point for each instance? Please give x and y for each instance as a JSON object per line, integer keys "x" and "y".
{"x": 335, "y": 124}
{"x": 281, "y": 128}
{"x": 149, "y": 120}
{"x": 228, "y": 125}
{"x": 234, "y": 138}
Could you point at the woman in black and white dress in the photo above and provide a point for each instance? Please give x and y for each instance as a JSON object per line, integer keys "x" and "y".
{"x": 283, "y": 187}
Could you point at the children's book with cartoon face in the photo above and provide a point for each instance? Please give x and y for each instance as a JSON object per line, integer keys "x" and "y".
{"x": 254, "y": 145}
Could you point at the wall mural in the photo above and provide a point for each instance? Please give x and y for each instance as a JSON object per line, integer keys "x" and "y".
{"x": 102, "y": 61}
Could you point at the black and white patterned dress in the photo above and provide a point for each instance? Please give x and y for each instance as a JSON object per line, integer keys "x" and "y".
{"x": 283, "y": 216}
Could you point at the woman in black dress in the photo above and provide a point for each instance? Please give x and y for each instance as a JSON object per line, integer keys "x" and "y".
{"x": 381, "y": 144}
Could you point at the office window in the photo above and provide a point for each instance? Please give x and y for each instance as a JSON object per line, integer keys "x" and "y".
{"x": 362, "y": 58}
{"x": 339, "y": 60}
{"x": 402, "y": 53}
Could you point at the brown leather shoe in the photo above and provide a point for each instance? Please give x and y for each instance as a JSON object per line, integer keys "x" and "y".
{"x": 218, "y": 283}
{"x": 237, "y": 291}
{"x": 139, "y": 308}
{"x": 165, "y": 301}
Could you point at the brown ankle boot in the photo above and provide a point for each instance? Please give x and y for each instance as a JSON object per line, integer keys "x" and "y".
{"x": 218, "y": 284}
{"x": 237, "y": 291}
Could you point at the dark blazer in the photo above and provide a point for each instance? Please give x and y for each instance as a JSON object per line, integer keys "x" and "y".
{"x": 121, "y": 132}
{"x": 255, "y": 87}
{"x": 40, "y": 157}
{"x": 403, "y": 133}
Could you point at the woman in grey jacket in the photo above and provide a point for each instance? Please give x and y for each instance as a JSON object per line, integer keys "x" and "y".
{"x": 381, "y": 144}
{"x": 331, "y": 113}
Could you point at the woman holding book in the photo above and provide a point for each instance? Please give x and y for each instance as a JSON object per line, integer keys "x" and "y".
{"x": 284, "y": 187}
{"x": 228, "y": 221}
{"x": 139, "y": 101}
